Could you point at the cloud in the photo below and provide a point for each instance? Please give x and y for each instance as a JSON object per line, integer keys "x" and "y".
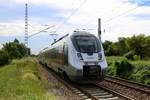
{"x": 52, "y": 3}
{"x": 120, "y": 18}
{"x": 11, "y": 28}
{"x": 17, "y": 27}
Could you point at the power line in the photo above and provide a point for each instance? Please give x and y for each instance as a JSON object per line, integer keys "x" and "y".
{"x": 121, "y": 13}
{"x": 71, "y": 14}
{"x": 113, "y": 9}
{"x": 41, "y": 31}
{"x": 125, "y": 12}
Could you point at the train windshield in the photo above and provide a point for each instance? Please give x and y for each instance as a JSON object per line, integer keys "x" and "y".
{"x": 87, "y": 44}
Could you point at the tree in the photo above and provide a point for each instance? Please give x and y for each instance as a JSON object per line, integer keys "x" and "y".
{"x": 16, "y": 41}
{"x": 106, "y": 44}
{"x": 146, "y": 47}
{"x": 122, "y": 46}
{"x": 3, "y": 57}
{"x": 13, "y": 50}
{"x": 135, "y": 47}
{"x": 138, "y": 44}
{"x": 113, "y": 50}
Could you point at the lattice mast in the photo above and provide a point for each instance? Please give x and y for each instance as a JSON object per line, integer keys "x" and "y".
{"x": 26, "y": 24}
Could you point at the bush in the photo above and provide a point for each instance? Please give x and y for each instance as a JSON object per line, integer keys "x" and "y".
{"x": 13, "y": 50}
{"x": 142, "y": 72}
{"x": 111, "y": 70}
{"x": 129, "y": 55}
{"x": 124, "y": 69}
{"x": 136, "y": 57}
{"x": 3, "y": 58}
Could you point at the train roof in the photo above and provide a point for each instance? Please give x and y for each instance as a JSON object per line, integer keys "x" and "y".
{"x": 75, "y": 33}
{"x": 81, "y": 33}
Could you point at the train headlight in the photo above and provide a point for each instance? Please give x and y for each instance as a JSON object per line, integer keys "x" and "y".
{"x": 80, "y": 56}
{"x": 99, "y": 56}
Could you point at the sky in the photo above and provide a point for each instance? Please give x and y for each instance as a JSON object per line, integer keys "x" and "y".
{"x": 119, "y": 18}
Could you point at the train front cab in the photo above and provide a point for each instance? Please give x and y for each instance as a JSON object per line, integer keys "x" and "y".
{"x": 87, "y": 73}
{"x": 88, "y": 62}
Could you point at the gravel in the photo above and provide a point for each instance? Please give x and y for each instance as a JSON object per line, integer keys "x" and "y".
{"x": 56, "y": 87}
{"x": 126, "y": 91}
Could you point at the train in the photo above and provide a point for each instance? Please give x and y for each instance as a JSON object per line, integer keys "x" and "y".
{"x": 78, "y": 56}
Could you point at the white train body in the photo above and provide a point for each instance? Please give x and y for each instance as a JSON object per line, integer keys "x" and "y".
{"x": 80, "y": 56}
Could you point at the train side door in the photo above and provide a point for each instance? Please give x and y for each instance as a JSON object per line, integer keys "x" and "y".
{"x": 65, "y": 52}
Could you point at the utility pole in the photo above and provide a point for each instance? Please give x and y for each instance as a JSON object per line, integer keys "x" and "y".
{"x": 26, "y": 27}
{"x": 99, "y": 29}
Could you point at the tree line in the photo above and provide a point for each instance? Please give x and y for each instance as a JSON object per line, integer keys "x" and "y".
{"x": 13, "y": 50}
{"x": 133, "y": 48}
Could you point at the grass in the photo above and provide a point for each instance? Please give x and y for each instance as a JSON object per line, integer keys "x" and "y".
{"x": 21, "y": 80}
{"x": 141, "y": 71}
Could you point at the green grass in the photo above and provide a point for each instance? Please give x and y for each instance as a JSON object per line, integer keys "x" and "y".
{"x": 141, "y": 71}
{"x": 20, "y": 80}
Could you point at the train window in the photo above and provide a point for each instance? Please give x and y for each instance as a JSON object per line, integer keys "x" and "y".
{"x": 87, "y": 44}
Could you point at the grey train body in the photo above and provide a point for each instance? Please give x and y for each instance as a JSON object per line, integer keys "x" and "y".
{"x": 80, "y": 56}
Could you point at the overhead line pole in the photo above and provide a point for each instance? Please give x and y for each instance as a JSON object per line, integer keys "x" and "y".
{"x": 26, "y": 24}
{"x": 99, "y": 29}
{"x": 26, "y": 28}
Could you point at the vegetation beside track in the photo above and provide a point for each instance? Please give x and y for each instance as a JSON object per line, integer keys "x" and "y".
{"x": 133, "y": 70}
{"x": 13, "y": 50}
{"x": 136, "y": 47}
{"x": 22, "y": 80}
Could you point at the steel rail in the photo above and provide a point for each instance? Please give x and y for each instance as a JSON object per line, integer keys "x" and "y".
{"x": 114, "y": 92}
{"x": 128, "y": 81}
{"x": 128, "y": 84}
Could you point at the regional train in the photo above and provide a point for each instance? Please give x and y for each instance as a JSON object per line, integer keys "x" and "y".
{"x": 79, "y": 56}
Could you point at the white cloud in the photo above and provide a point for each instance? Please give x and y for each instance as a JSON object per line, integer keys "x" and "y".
{"x": 86, "y": 17}
{"x": 53, "y": 3}
{"x": 17, "y": 27}
{"x": 11, "y": 28}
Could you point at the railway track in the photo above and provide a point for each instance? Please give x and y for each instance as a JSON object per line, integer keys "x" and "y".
{"x": 89, "y": 91}
{"x": 131, "y": 89}
{"x": 96, "y": 92}
{"x": 137, "y": 86}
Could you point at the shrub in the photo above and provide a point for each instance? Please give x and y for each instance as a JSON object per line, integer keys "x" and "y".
{"x": 13, "y": 50}
{"x": 111, "y": 70}
{"x": 129, "y": 55}
{"x": 4, "y": 59}
{"x": 136, "y": 57}
{"x": 124, "y": 69}
{"x": 142, "y": 72}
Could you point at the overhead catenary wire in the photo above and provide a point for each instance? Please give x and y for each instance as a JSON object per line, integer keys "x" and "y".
{"x": 132, "y": 9}
{"x": 72, "y": 13}
{"x": 40, "y": 31}
{"x": 105, "y": 13}
{"x": 125, "y": 12}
